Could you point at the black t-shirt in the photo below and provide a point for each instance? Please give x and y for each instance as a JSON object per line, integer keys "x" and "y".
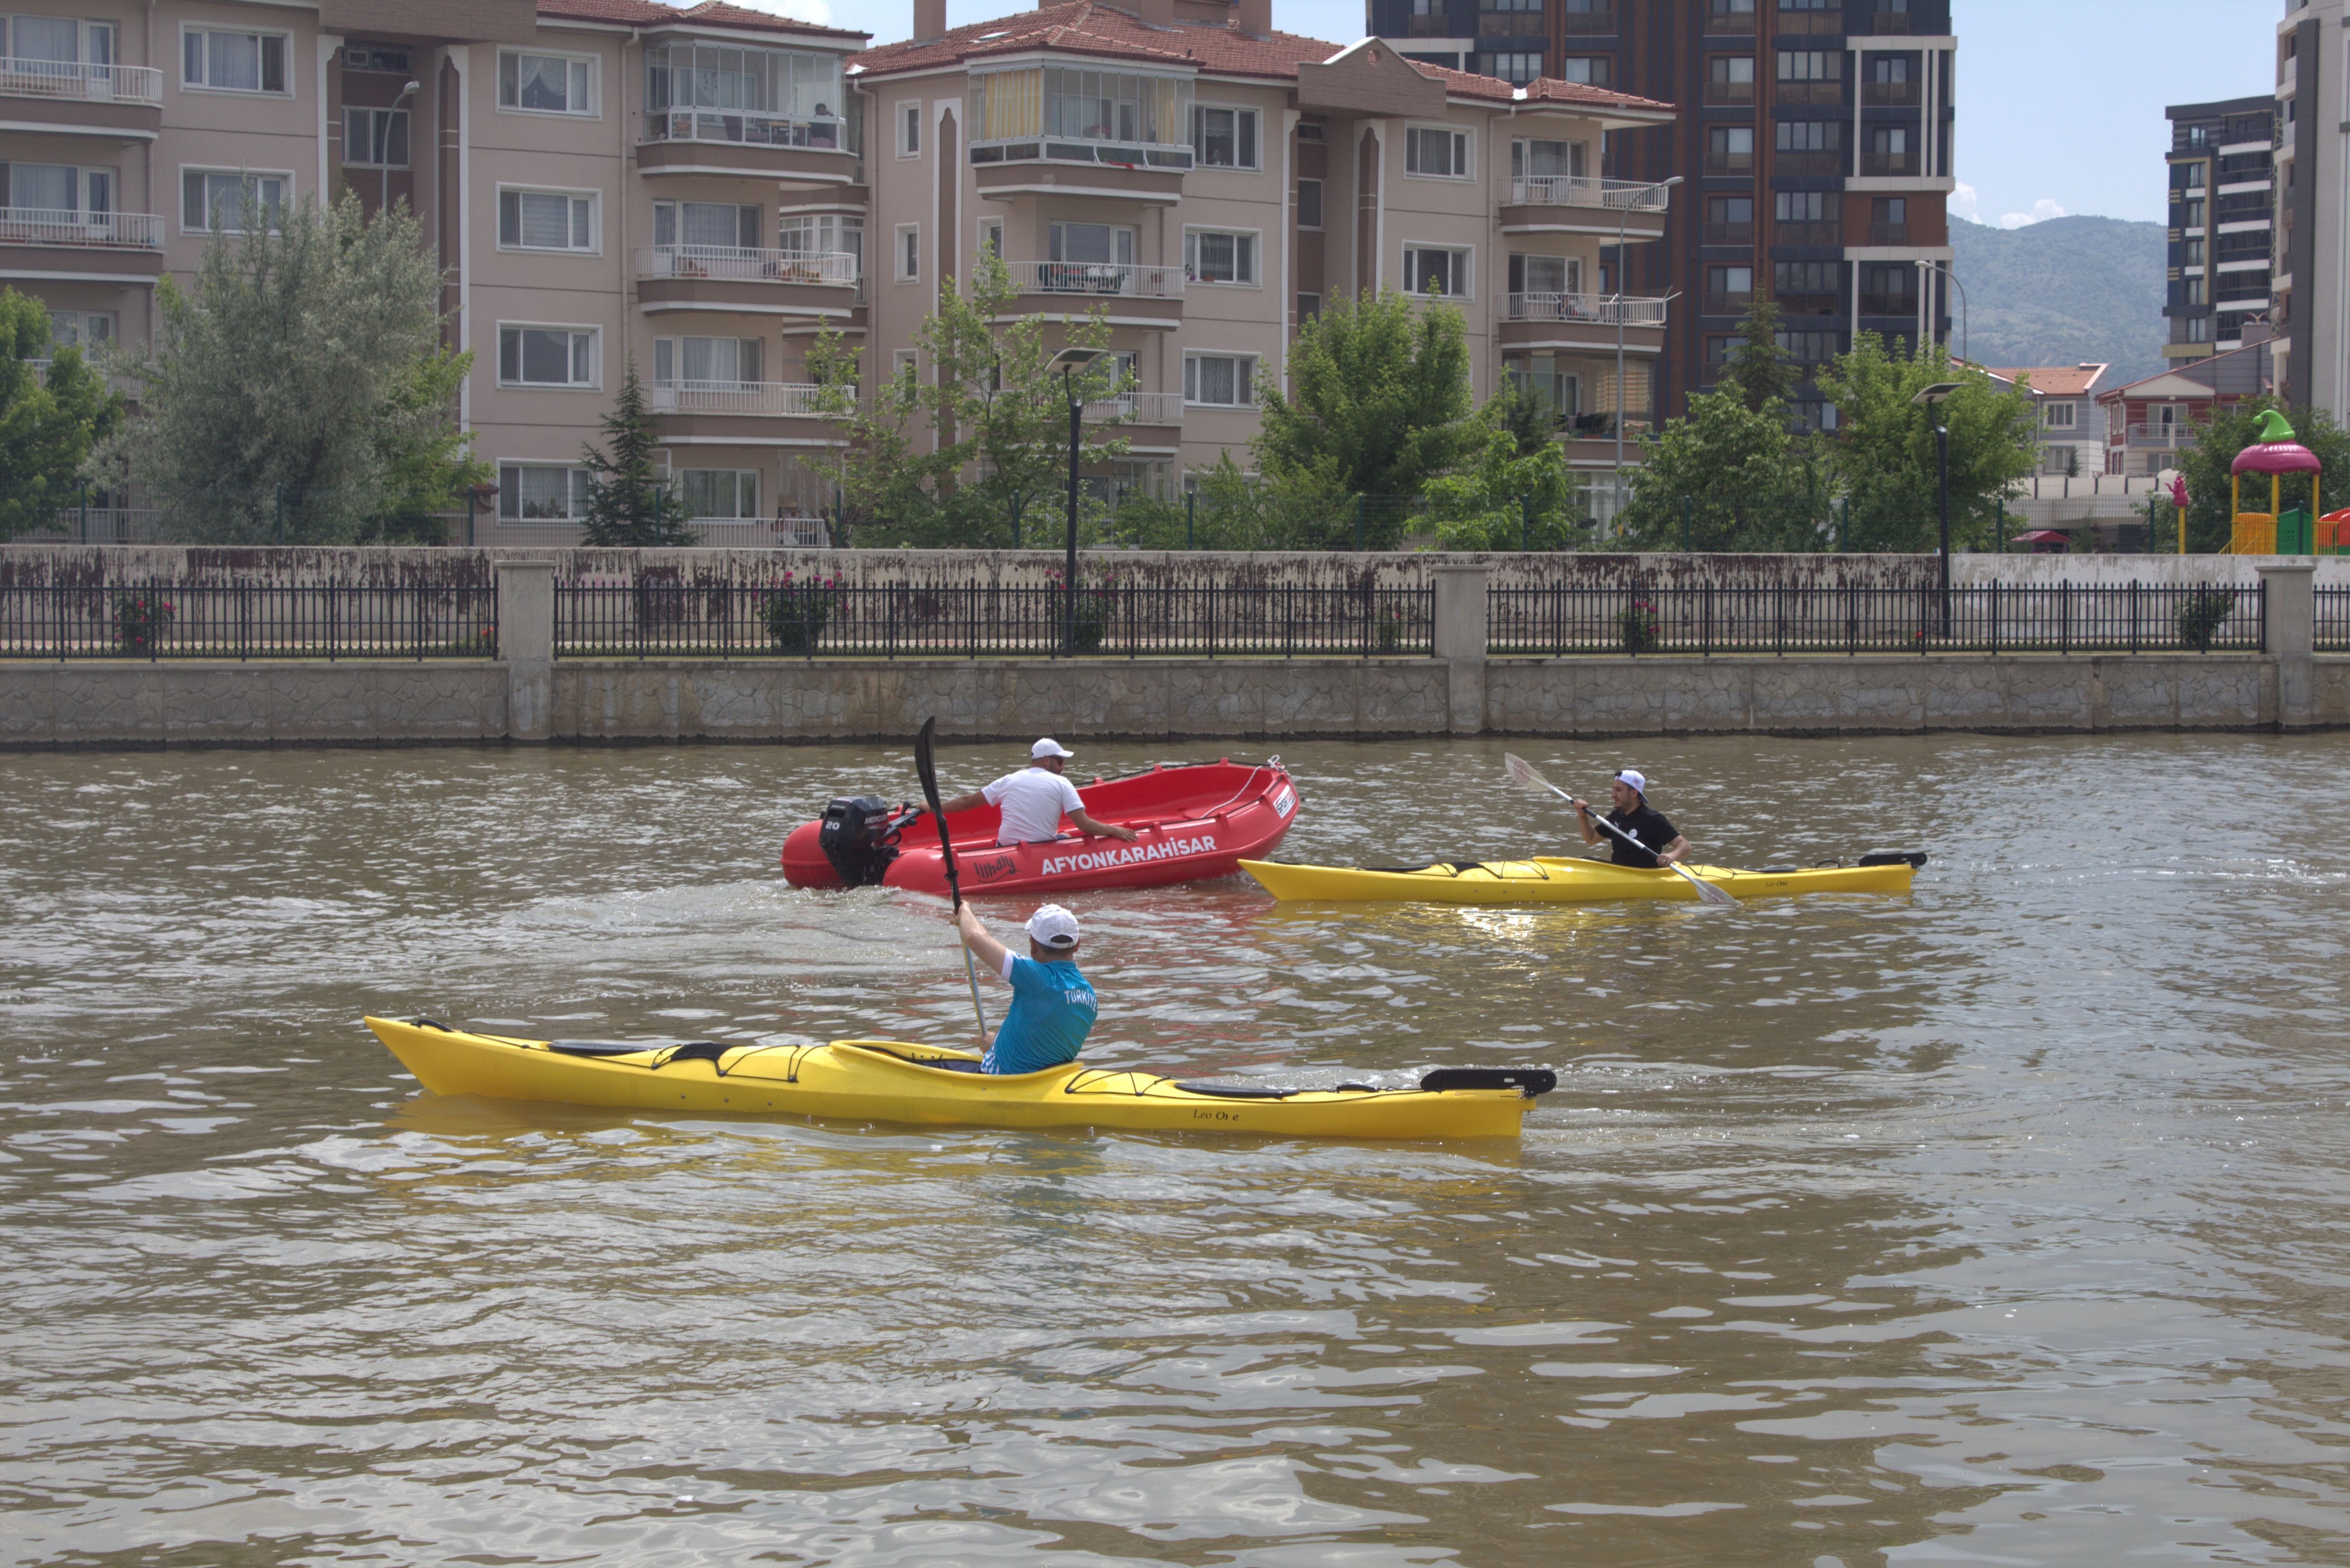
{"x": 1648, "y": 825}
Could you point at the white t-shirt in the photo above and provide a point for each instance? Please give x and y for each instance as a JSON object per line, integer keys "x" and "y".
{"x": 1033, "y": 800}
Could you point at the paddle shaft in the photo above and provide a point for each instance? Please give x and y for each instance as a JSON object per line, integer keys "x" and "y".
{"x": 1706, "y": 891}
{"x": 926, "y": 764}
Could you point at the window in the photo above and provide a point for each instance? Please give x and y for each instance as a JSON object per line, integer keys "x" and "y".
{"x": 1813, "y": 414}
{"x": 1224, "y": 138}
{"x": 1097, "y": 244}
{"x": 1531, "y": 158}
{"x": 62, "y": 192}
{"x": 1729, "y": 78}
{"x": 990, "y": 237}
{"x": 1716, "y": 355}
{"x": 238, "y": 200}
{"x": 1811, "y": 136}
{"x": 1811, "y": 347}
{"x": 1889, "y": 67}
{"x": 1802, "y": 206}
{"x": 902, "y": 360}
{"x": 2190, "y": 253}
{"x": 1515, "y": 66}
{"x": 1436, "y": 152}
{"x": 544, "y": 84}
{"x": 719, "y": 225}
{"x": 1810, "y": 65}
{"x": 1808, "y": 287}
{"x": 768, "y": 98}
{"x": 2057, "y": 416}
{"x": 1219, "y": 380}
{"x": 1890, "y": 140}
{"x": 1888, "y": 210}
{"x": 909, "y": 129}
{"x": 376, "y": 138}
{"x": 1730, "y": 149}
{"x": 1545, "y": 274}
{"x": 1309, "y": 204}
{"x": 1436, "y": 273}
{"x": 528, "y": 491}
{"x": 908, "y": 253}
{"x": 1730, "y": 7}
{"x": 1309, "y": 308}
{"x": 214, "y": 61}
{"x": 1728, "y": 282}
{"x": 836, "y": 233}
{"x": 57, "y": 40}
{"x": 1728, "y": 221}
{"x": 546, "y": 221}
{"x": 1592, "y": 70}
{"x": 719, "y": 494}
{"x": 546, "y": 355}
{"x": 706, "y": 362}
{"x": 1210, "y": 256}
{"x": 82, "y": 329}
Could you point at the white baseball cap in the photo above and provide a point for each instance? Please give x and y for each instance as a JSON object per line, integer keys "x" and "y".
{"x": 1637, "y": 779}
{"x": 1052, "y": 926}
{"x": 1049, "y": 747}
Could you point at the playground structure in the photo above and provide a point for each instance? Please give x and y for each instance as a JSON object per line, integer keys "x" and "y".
{"x": 2274, "y": 532}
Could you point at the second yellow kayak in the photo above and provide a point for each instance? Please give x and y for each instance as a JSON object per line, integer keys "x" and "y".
{"x": 1559, "y": 881}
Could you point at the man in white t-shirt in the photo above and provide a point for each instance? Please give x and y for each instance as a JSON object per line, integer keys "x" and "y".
{"x": 1033, "y": 801}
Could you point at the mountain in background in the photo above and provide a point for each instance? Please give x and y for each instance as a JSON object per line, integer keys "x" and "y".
{"x": 2062, "y": 291}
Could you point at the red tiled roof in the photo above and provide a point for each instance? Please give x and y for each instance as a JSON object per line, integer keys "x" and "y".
{"x": 713, "y": 13}
{"x": 1086, "y": 27}
{"x": 2055, "y": 380}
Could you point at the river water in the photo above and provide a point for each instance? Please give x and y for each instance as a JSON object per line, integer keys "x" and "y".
{"x": 2000, "y": 1223}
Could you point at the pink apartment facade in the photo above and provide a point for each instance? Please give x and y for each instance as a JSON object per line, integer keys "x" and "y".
{"x": 704, "y": 189}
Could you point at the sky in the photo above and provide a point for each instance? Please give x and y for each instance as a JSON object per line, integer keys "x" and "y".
{"x": 2060, "y": 101}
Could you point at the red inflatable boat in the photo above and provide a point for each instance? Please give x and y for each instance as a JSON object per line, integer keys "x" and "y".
{"x": 1191, "y": 820}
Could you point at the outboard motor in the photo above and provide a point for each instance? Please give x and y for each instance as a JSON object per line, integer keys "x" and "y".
{"x": 859, "y": 837}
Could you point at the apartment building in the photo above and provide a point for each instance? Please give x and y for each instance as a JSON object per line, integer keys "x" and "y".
{"x": 2311, "y": 311}
{"x": 701, "y": 190}
{"x": 2150, "y": 420}
{"x": 1517, "y": 40}
{"x": 2071, "y": 421}
{"x": 2222, "y": 200}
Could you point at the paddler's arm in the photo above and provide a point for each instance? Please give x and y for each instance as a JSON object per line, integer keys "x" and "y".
{"x": 1673, "y": 851}
{"x": 1583, "y": 821}
{"x": 984, "y": 947}
{"x": 1086, "y": 823}
{"x": 963, "y": 802}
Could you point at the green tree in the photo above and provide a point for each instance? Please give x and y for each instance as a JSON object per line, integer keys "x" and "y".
{"x": 281, "y": 392}
{"x": 1502, "y": 495}
{"x": 979, "y": 449}
{"x": 427, "y": 461}
{"x": 48, "y": 423}
{"x": 2206, "y": 462}
{"x": 1380, "y": 403}
{"x": 1886, "y": 448}
{"x": 629, "y": 503}
{"x": 1723, "y": 476}
{"x": 1763, "y": 377}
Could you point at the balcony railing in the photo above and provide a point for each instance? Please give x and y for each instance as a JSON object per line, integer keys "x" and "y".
{"x": 1603, "y": 309}
{"x": 1437, "y": 26}
{"x": 768, "y": 397}
{"x": 1730, "y": 92}
{"x": 68, "y": 78}
{"x": 1584, "y": 191}
{"x": 1719, "y": 303}
{"x": 1791, "y": 23}
{"x": 1888, "y": 24}
{"x": 1888, "y": 233}
{"x": 1888, "y": 94}
{"x": 1808, "y": 234}
{"x": 1885, "y": 163}
{"x": 1120, "y": 278}
{"x": 54, "y": 227}
{"x": 1082, "y": 150}
{"x": 1823, "y": 94}
{"x": 1588, "y": 22}
{"x": 744, "y": 130}
{"x": 1728, "y": 234}
{"x": 1509, "y": 23}
{"x": 2159, "y": 436}
{"x": 1139, "y": 407}
{"x": 742, "y": 265}
{"x": 1878, "y": 302}
{"x": 1811, "y": 304}
{"x": 1812, "y": 165}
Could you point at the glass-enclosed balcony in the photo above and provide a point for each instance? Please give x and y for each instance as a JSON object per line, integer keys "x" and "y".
{"x": 1065, "y": 115}
{"x": 757, "y": 98}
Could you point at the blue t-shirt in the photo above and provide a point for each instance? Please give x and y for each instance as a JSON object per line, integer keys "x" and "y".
{"x": 1052, "y": 1013}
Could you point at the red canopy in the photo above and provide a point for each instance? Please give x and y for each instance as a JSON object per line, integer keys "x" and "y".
{"x": 2275, "y": 457}
{"x": 2042, "y": 536}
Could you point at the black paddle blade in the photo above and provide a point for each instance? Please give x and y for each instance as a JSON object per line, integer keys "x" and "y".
{"x": 1895, "y": 857}
{"x": 926, "y": 764}
{"x": 1527, "y": 1081}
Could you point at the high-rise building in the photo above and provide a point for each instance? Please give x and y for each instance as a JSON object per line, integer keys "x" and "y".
{"x": 2311, "y": 314}
{"x": 1814, "y": 141}
{"x": 2222, "y": 200}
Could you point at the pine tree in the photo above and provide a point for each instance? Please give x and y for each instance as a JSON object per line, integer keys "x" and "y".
{"x": 1761, "y": 375}
{"x": 628, "y": 503}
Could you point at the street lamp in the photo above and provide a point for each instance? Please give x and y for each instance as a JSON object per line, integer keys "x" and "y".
{"x": 383, "y": 175}
{"x": 1930, "y": 399}
{"x": 1944, "y": 268}
{"x": 1068, "y": 362}
{"x": 1666, "y": 184}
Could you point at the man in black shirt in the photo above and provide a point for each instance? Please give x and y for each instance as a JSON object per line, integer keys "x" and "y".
{"x": 1661, "y": 841}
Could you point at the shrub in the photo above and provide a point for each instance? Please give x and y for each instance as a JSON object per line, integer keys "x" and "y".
{"x": 139, "y": 621}
{"x": 2202, "y": 614}
{"x": 794, "y": 613}
{"x": 1094, "y": 605}
{"x": 1638, "y": 624}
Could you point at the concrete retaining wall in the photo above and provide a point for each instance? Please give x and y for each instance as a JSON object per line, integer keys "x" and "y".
{"x": 46, "y": 706}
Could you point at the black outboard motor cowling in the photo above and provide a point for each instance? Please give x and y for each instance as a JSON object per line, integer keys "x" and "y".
{"x": 859, "y": 837}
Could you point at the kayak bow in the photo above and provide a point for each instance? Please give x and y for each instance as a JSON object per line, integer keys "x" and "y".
{"x": 1557, "y": 880}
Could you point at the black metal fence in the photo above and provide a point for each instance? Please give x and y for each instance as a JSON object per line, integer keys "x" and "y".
{"x": 974, "y": 619}
{"x": 1793, "y": 618}
{"x": 330, "y": 620}
{"x": 2332, "y": 630}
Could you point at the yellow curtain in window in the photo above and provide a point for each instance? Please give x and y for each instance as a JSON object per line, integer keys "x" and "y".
{"x": 1012, "y": 104}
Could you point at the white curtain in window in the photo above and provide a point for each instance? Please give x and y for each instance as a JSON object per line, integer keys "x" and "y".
{"x": 43, "y": 39}
{"x": 233, "y": 60}
{"x": 45, "y": 187}
{"x": 711, "y": 223}
{"x": 546, "y": 219}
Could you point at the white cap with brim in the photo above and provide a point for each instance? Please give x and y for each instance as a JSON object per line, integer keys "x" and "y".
{"x": 1053, "y": 927}
{"x": 1048, "y": 747}
{"x": 1637, "y": 779}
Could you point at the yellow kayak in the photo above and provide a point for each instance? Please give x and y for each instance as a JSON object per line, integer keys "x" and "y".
{"x": 1548, "y": 880}
{"x": 892, "y": 1081}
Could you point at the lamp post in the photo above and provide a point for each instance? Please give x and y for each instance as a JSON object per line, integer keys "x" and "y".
{"x": 1068, "y": 362}
{"x": 1944, "y": 268}
{"x": 1665, "y": 185}
{"x": 383, "y": 174}
{"x": 1930, "y": 399}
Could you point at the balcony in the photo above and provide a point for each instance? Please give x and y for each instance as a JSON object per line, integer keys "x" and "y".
{"x": 1823, "y": 94}
{"x": 1791, "y": 24}
{"x": 1580, "y": 22}
{"x": 1878, "y": 165}
{"x": 1727, "y": 235}
{"x": 1729, "y": 162}
{"x": 1040, "y": 166}
{"x": 82, "y": 99}
{"x": 1888, "y": 94}
{"x": 720, "y": 410}
{"x": 1888, "y": 24}
{"x": 1131, "y": 295}
{"x": 1631, "y": 208}
{"x": 715, "y": 142}
{"x": 1826, "y": 165}
{"x": 719, "y": 277}
{"x": 1739, "y": 94}
{"x": 1595, "y": 321}
{"x": 1808, "y": 235}
{"x": 1810, "y": 304}
{"x": 1717, "y": 303}
{"x": 1888, "y": 233}
{"x": 1509, "y": 23}
{"x": 125, "y": 245}
{"x": 1139, "y": 409}
{"x": 2159, "y": 437}
{"x": 1437, "y": 26}
{"x": 1877, "y": 303}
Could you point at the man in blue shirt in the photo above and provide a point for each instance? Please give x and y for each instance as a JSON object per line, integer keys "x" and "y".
{"x": 1052, "y": 1004}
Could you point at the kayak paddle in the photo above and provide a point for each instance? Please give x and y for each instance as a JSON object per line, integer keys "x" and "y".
{"x": 926, "y": 764}
{"x": 1523, "y": 773}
